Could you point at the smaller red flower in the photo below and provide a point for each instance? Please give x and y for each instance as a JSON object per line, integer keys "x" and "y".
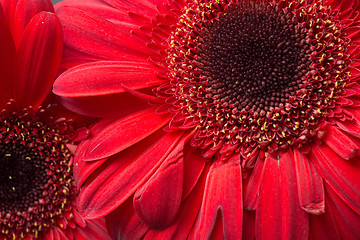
{"x": 38, "y": 195}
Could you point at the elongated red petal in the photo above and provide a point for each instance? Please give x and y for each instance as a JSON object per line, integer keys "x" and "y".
{"x": 188, "y": 212}
{"x": 223, "y": 195}
{"x": 84, "y": 33}
{"x": 124, "y": 133}
{"x": 278, "y": 213}
{"x": 347, "y": 220}
{"x": 157, "y": 203}
{"x": 109, "y": 106}
{"x": 310, "y": 185}
{"x": 7, "y": 63}
{"x": 122, "y": 174}
{"x": 342, "y": 144}
{"x": 82, "y": 169}
{"x": 144, "y": 8}
{"x": 323, "y": 226}
{"x": 25, "y": 11}
{"x": 123, "y": 223}
{"x": 194, "y": 165}
{"x": 340, "y": 174}
{"x": 98, "y": 8}
{"x": 101, "y": 78}
{"x": 252, "y": 190}
{"x": 38, "y": 59}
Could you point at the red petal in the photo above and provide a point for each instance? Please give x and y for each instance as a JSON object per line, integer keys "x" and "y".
{"x": 142, "y": 7}
{"x": 124, "y": 133}
{"x": 157, "y": 203}
{"x": 249, "y": 225}
{"x": 193, "y": 168}
{"x": 121, "y": 175}
{"x": 187, "y": 215}
{"x": 93, "y": 230}
{"x": 347, "y": 220}
{"x": 123, "y": 223}
{"x": 323, "y": 226}
{"x": 252, "y": 189}
{"x": 38, "y": 59}
{"x": 351, "y": 126}
{"x": 101, "y": 78}
{"x": 310, "y": 185}
{"x": 341, "y": 175}
{"x": 7, "y": 63}
{"x": 98, "y": 8}
{"x": 278, "y": 213}
{"x": 84, "y": 36}
{"x": 83, "y": 169}
{"x": 9, "y": 7}
{"x": 223, "y": 195}
{"x": 341, "y": 143}
{"x": 25, "y": 11}
{"x": 108, "y": 106}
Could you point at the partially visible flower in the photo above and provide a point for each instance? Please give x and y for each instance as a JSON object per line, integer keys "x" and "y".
{"x": 212, "y": 107}
{"x": 38, "y": 194}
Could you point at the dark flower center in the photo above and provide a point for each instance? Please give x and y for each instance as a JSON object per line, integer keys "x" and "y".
{"x": 22, "y": 175}
{"x": 36, "y": 183}
{"x": 254, "y": 77}
{"x": 253, "y": 58}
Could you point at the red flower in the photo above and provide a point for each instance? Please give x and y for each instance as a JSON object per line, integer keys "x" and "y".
{"x": 230, "y": 119}
{"x": 38, "y": 194}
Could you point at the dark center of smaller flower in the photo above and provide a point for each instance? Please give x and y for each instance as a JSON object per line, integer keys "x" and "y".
{"x": 36, "y": 182}
{"x": 22, "y": 174}
{"x": 253, "y": 58}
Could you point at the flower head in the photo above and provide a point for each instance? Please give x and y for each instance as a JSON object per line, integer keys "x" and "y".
{"x": 213, "y": 107}
{"x": 37, "y": 190}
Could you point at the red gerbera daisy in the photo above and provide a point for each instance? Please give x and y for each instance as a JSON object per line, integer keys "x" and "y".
{"x": 234, "y": 119}
{"x": 37, "y": 189}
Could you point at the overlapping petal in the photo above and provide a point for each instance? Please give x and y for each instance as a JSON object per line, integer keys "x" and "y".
{"x": 223, "y": 183}
{"x": 124, "y": 133}
{"x": 278, "y": 213}
{"x": 7, "y": 63}
{"x": 122, "y": 175}
{"x": 36, "y": 68}
{"x": 107, "y": 77}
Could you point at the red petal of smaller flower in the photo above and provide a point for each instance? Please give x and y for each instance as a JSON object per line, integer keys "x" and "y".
{"x": 341, "y": 175}
{"x": 253, "y": 187}
{"x": 124, "y": 224}
{"x": 157, "y": 203}
{"x": 310, "y": 185}
{"x": 124, "y": 133}
{"x": 278, "y": 212}
{"x": 7, "y": 63}
{"x": 101, "y": 78}
{"x": 122, "y": 174}
{"x": 25, "y": 11}
{"x": 38, "y": 59}
{"x": 342, "y": 144}
{"x": 223, "y": 195}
